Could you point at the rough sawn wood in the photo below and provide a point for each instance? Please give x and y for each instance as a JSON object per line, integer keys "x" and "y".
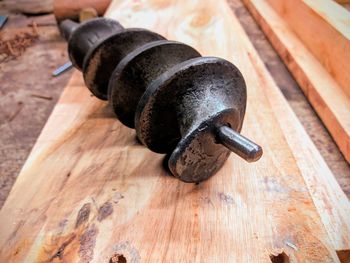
{"x": 89, "y": 191}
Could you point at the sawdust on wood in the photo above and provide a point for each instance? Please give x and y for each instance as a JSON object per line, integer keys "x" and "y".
{"x": 16, "y": 112}
{"x": 14, "y": 47}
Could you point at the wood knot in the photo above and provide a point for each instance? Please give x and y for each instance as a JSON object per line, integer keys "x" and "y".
{"x": 104, "y": 211}
{"x": 117, "y": 258}
{"x": 201, "y": 19}
{"x": 279, "y": 258}
{"x": 160, "y": 4}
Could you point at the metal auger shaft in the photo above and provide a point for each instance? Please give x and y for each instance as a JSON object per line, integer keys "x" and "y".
{"x": 180, "y": 103}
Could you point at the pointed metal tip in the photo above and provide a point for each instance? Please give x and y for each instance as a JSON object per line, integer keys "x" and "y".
{"x": 66, "y": 66}
{"x": 237, "y": 143}
{"x": 254, "y": 154}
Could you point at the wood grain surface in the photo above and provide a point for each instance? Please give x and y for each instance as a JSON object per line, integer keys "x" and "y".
{"x": 329, "y": 99}
{"x": 22, "y": 79}
{"x": 89, "y": 192}
{"x": 324, "y": 28}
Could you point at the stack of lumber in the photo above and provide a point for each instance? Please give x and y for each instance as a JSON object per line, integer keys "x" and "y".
{"x": 313, "y": 39}
{"x": 67, "y": 9}
{"x": 90, "y": 193}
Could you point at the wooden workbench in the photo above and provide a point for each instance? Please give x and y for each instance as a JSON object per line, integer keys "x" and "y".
{"x": 49, "y": 52}
{"x": 285, "y": 202}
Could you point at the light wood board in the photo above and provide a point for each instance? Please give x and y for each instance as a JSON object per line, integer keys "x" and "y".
{"x": 330, "y": 101}
{"x": 89, "y": 191}
{"x": 342, "y": 1}
{"x": 324, "y": 28}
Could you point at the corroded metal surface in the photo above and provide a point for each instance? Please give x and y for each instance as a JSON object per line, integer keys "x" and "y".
{"x": 180, "y": 103}
{"x": 137, "y": 70}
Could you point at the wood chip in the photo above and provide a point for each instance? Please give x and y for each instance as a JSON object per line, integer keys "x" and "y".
{"x": 14, "y": 47}
{"x": 16, "y": 112}
{"x": 40, "y": 96}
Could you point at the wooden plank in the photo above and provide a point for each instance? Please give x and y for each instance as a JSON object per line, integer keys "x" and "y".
{"x": 89, "y": 191}
{"x": 346, "y": 6}
{"x": 342, "y": 1}
{"x": 324, "y": 28}
{"x": 18, "y": 106}
{"x": 67, "y": 9}
{"x": 328, "y": 99}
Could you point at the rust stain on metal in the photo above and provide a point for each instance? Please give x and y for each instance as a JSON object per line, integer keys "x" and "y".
{"x": 104, "y": 211}
{"x": 87, "y": 244}
{"x": 202, "y": 136}
{"x": 83, "y": 214}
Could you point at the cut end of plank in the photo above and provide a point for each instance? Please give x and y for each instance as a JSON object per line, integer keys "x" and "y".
{"x": 344, "y": 255}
